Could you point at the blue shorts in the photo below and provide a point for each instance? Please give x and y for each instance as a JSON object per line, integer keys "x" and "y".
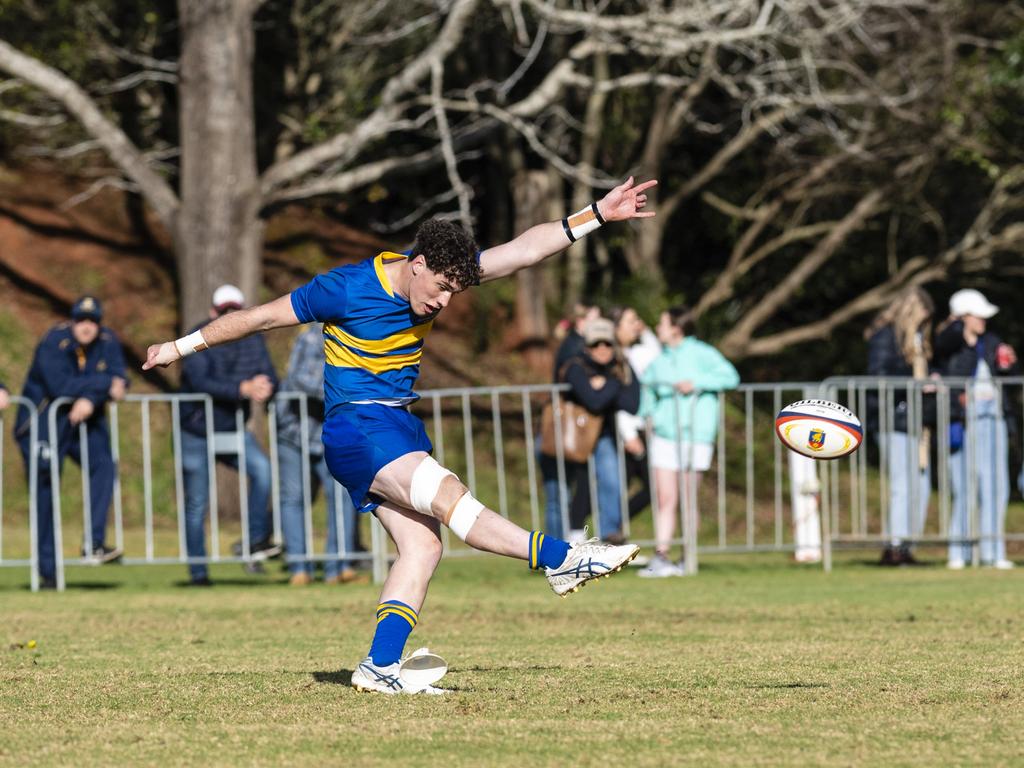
{"x": 359, "y": 440}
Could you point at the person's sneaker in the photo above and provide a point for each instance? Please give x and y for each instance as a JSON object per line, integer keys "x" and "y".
{"x": 260, "y": 550}
{"x": 347, "y": 576}
{"x": 300, "y": 579}
{"x": 368, "y": 677}
{"x": 1004, "y": 565}
{"x": 48, "y": 584}
{"x": 905, "y": 557}
{"x": 640, "y": 561}
{"x": 587, "y": 561}
{"x": 660, "y": 567}
{"x": 890, "y": 556}
{"x": 956, "y": 565}
{"x": 102, "y": 554}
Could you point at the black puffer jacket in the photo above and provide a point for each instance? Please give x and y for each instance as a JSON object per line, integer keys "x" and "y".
{"x": 954, "y": 358}
{"x": 886, "y": 359}
{"x": 614, "y": 396}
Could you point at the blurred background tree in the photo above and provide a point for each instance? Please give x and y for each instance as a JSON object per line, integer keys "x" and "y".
{"x": 815, "y": 158}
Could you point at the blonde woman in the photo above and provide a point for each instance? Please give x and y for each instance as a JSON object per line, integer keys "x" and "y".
{"x": 899, "y": 344}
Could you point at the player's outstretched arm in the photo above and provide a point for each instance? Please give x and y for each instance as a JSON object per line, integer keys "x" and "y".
{"x": 626, "y": 201}
{"x": 230, "y": 327}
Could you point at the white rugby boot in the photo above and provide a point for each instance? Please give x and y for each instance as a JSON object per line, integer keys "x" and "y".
{"x": 587, "y": 561}
{"x": 369, "y": 677}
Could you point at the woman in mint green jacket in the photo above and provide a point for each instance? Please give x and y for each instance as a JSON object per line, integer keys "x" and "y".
{"x": 680, "y": 395}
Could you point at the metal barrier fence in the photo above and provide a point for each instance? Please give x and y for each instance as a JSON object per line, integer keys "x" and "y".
{"x": 488, "y": 435}
{"x": 912, "y": 423}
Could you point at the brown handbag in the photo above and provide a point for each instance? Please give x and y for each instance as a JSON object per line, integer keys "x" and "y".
{"x": 580, "y": 430}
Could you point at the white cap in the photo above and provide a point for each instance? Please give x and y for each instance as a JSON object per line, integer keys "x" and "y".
{"x": 228, "y": 296}
{"x": 971, "y": 302}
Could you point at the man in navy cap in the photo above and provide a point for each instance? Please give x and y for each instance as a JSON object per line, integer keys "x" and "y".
{"x": 81, "y": 360}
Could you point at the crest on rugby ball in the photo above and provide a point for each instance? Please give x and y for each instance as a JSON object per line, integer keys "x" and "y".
{"x": 816, "y": 439}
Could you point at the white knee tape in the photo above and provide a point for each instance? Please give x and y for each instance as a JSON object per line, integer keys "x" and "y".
{"x": 426, "y": 480}
{"x": 466, "y": 511}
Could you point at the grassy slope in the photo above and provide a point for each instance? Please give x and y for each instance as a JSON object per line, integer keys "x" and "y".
{"x": 754, "y": 662}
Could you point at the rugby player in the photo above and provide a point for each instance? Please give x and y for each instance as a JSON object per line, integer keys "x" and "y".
{"x": 376, "y": 315}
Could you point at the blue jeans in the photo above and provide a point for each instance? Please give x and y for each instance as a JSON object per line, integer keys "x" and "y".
{"x": 991, "y": 475}
{"x": 197, "y": 493}
{"x": 904, "y": 471}
{"x": 606, "y": 469}
{"x": 293, "y": 515}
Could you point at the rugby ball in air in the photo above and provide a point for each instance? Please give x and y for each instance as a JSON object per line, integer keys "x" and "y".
{"x": 819, "y": 429}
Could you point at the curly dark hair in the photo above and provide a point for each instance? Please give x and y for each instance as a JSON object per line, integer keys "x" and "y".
{"x": 449, "y": 251}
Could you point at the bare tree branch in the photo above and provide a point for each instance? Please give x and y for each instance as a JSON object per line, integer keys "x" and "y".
{"x": 117, "y": 145}
{"x": 379, "y": 123}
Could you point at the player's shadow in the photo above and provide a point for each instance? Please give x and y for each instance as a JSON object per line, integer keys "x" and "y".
{"x": 338, "y": 677}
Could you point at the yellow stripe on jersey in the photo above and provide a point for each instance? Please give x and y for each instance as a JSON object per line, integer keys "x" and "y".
{"x": 378, "y": 265}
{"x": 341, "y": 356}
{"x": 395, "y": 341}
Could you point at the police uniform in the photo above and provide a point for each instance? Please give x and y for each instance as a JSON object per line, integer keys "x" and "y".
{"x": 373, "y": 343}
{"x": 61, "y": 367}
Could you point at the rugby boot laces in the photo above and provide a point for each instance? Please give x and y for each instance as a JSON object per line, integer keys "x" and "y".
{"x": 586, "y": 561}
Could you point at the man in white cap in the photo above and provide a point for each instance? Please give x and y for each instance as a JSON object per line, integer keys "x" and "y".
{"x": 235, "y": 375}
{"x": 965, "y": 348}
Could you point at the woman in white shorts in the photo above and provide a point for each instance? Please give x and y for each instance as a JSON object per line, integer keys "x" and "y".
{"x": 680, "y": 396}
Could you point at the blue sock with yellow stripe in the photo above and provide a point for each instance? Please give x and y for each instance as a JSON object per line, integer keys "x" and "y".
{"x": 546, "y": 551}
{"x": 395, "y": 621}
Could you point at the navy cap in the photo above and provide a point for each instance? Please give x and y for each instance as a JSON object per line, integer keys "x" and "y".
{"x": 87, "y": 308}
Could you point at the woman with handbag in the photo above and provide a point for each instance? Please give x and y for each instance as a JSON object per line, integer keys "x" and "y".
{"x": 602, "y": 383}
{"x": 680, "y": 396}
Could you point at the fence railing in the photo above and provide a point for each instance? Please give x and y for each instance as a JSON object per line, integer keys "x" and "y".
{"x": 489, "y": 437}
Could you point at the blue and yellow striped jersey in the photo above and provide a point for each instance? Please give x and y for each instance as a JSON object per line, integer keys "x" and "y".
{"x": 372, "y": 340}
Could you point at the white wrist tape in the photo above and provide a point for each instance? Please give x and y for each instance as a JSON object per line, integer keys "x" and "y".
{"x": 583, "y": 222}
{"x": 194, "y": 342}
{"x": 464, "y": 515}
{"x": 426, "y": 481}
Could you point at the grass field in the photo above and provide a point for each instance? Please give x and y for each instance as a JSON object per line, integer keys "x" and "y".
{"x": 753, "y": 662}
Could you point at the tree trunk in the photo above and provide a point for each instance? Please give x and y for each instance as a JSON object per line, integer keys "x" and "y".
{"x": 532, "y": 194}
{"x": 219, "y": 234}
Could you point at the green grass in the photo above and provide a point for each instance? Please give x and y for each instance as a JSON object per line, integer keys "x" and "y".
{"x": 753, "y": 662}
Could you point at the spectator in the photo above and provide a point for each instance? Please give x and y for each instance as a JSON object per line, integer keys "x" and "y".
{"x": 306, "y": 375}
{"x": 640, "y": 346}
{"x": 572, "y": 344}
{"x": 680, "y": 395}
{"x": 83, "y": 360}
{"x": 603, "y": 383}
{"x": 899, "y": 344}
{"x": 235, "y": 375}
{"x": 964, "y": 348}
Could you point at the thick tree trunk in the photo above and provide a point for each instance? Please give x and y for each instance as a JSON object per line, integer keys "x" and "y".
{"x": 532, "y": 193}
{"x": 219, "y": 234}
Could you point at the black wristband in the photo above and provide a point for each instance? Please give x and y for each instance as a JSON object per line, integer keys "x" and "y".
{"x": 568, "y": 232}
